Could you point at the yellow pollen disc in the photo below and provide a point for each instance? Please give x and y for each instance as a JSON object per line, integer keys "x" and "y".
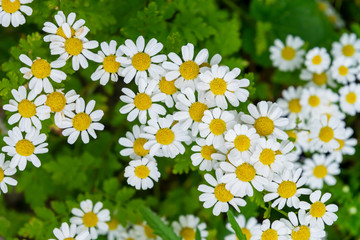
{"x": 269, "y": 234}
{"x": 167, "y": 87}
{"x": 206, "y": 152}
{"x": 196, "y": 111}
{"x": 317, "y": 209}
{"x": 300, "y": 233}
{"x": 222, "y": 194}
{"x": 332, "y": 19}
{"x": 348, "y": 50}
{"x": 26, "y": 108}
{"x": 326, "y": 134}
{"x": 130, "y": 238}
{"x": 341, "y": 144}
{"x": 316, "y": 60}
{"x": 267, "y": 156}
{"x": 90, "y": 219}
{"x": 287, "y": 189}
{"x": 60, "y": 32}
{"x": 149, "y": 232}
{"x": 142, "y": 101}
{"x": 2, "y": 175}
{"x": 278, "y": 152}
{"x": 246, "y": 232}
{"x": 189, "y": 70}
{"x": 139, "y": 147}
{"x": 288, "y": 53}
{"x": 314, "y": 101}
{"x": 343, "y": 70}
{"x": 113, "y": 224}
{"x": 264, "y": 126}
{"x": 294, "y": 105}
{"x": 141, "y": 61}
{"x": 165, "y": 136}
{"x": 110, "y": 65}
{"x": 81, "y": 121}
{"x": 187, "y": 233}
{"x": 322, "y": 6}
{"x": 142, "y": 171}
{"x": 320, "y": 171}
{"x": 73, "y": 46}
{"x": 242, "y": 143}
{"x": 217, "y": 126}
{"x": 56, "y": 101}
{"x": 245, "y": 172}
{"x": 218, "y": 86}
{"x": 10, "y": 7}
{"x": 69, "y": 238}
{"x": 205, "y": 64}
{"x": 24, "y": 147}
{"x": 41, "y": 68}
{"x": 292, "y": 134}
{"x": 319, "y": 79}
{"x": 351, "y": 97}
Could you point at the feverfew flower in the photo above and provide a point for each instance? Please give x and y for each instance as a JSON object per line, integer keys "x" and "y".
{"x": 276, "y": 230}
{"x": 347, "y": 145}
{"x": 69, "y": 232}
{"x": 343, "y": 71}
{"x": 141, "y": 173}
{"x": 247, "y": 227}
{"x": 290, "y": 103}
{"x": 11, "y": 12}
{"x": 314, "y": 100}
{"x": 348, "y": 47}
{"x": 116, "y": 231}
{"x": 317, "y": 60}
{"x": 350, "y": 98}
{"x": 215, "y": 60}
{"x": 5, "y": 172}
{"x": 317, "y": 79}
{"x": 206, "y": 155}
{"x": 170, "y": 91}
{"x": 187, "y": 227}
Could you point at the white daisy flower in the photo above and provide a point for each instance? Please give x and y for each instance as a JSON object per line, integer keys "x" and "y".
{"x": 215, "y": 60}
{"x": 187, "y": 227}
{"x": 350, "y": 98}
{"x": 186, "y": 70}
{"x": 332, "y": 110}
{"x": 115, "y": 230}
{"x": 317, "y": 60}
{"x": 347, "y": 145}
{"x": 91, "y": 218}
{"x": 144, "y": 102}
{"x": 162, "y": 134}
{"x": 290, "y": 103}
{"x": 84, "y": 121}
{"x": 320, "y": 169}
{"x": 266, "y": 119}
{"x": 319, "y": 213}
{"x": 314, "y": 100}
{"x": 141, "y": 173}
{"x": 130, "y": 234}
{"x": 288, "y": 56}
{"x": 343, "y": 70}
{"x": 5, "y": 172}
{"x": 141, "y": 61}
{"x": 276, "y": 230}
{"x": 286, "y": 150}
{"x": 348, "y": 47}
{"x": 206, "y": 155}
{"x": 170, "y": 91}
{"x": 110, "y": 68}
{"x": 317, "y": 79}
{"x": 66, "y": 232}
{"x": 145, "y": 232}
{"x": 29, "y": 109}
{"x": 220, "y": 84}
{"x": 247, "y": 227}
{"x": 286, "y": 189}
{"x": 23, "y": 149}
{"x": 11, "y": 11}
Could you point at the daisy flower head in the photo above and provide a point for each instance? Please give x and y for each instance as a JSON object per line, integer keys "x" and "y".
{"x": 347, "y": 145}
{"x": 319, "y": 213}
{"x": 110, "y": 68}
{"x": 290, "y": 103}
{"x": 5, "y": 174}
{"x": 206, "y": 65}
{"x": 141, "y": 61}
{"x": 40, "y": 71}
{"x": 314, "y": 100}
{"x": 69, "y": 232}
{"x": 317, "y": 60}
{"x": 142, "y": 173}
{"x": 286, "y": 189}
{"x": 162, "y": 134}
{"x": 276, "y": 230}
{"x": 11, "y": 11}
{"x": 348, "y": 47}
{"x": 288, "y": 56}
{"x": 115, "y": 230}
{"x": 29, "y": 109}
{"x": 343, "y": 71}
{"x": 83, "y": 121}
{"x": 170, "y": 91}
{"x": 321, "y": 169}
{"x": 206, "y": 156}
{"x": 220, "y": 85}
{"x": 286, "y": 150}
{"x": 145, "y": 232}
{"x": 266, "y": 119}
{"x": 248, "y": 227}
{"x": 187, "y": 226}
{"x": 23, "y": 149}
{"x": 144, "y": 102}
{"x": 314, "y": 79}
{"x": 130, "y": 234}
{"x": 350, "y": 99}
{"x": 91, "y": 218}
{"x": 214, "y": 124}
{"x": 185, "y": 71}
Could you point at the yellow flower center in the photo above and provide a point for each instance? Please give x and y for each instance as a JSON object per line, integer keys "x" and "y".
{"x": 287, "y": 189}
{"x": 267, "y": 156}
{"x": 218, "y": 86}
{"x": 56, "y": 101}
{"x": 294, "y": 105}
{"x": 197, "y": 110}
{"x": 319, "y": 79}
{"x": 341, "y": 144}
{"x": 246, "y": 232}
{"x": 351, "y": 97}
{"x": 206, "y": 151}
{"x": 348, "y": 50}
{"x": 142, "y": 101}
{"x": 264, "y": 126}
{"x": 26, "y": 108}
{"x": 41, "y": 68}
{"x": 317, "y": 209}
{"x": 343, "y": 70}
{"x": 90, "y": 219}
{"x": 322, "y": 6}
{"x": 187, "y": 233}
{"x": 205, "y": 64}
{"x": 326, "y": 134}
{"x": 217, "y": 126}
{"x": 113, "y": 224}
{"x": 139, "y": 147}
{"x": 288, "y": 53}
{"x": 130, "y": 238}
{"x": 165, "y": 136}
{"x": 320, "y": 171}
{"x": 245, "y": 172}
{"x": 110, "y": 65}
{"x": 69, "y": 238}
{"x": 269, "y": 234}
{"x": 332, "y": 19}
{"x": 189, "y": 70}
{"x": 24, "y": 147}
{"x": 2, "y": 175}
{"x": 316, "y": 60}
{"x": 242, "y": 143}
{"x": 73, "y": 46}
{"x": 60, "y": 32}
{"x": 167, "y": 87}
{"x": 141, "y": 61}
{"x": 300, "y": 233}
{"x": 314, "y": 101}
{"x": 222, "y": 194}
{"x": 149, "y": 232}
{"x": 292, "y": 134}
{"x": 142, "y": 171}
{"x": 10, "y": 7}
{"x": 81, "y": 121}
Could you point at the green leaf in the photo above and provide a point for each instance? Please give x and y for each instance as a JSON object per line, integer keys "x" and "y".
{"x": 198, "y": 235}
{"x": 235, "y": 226}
